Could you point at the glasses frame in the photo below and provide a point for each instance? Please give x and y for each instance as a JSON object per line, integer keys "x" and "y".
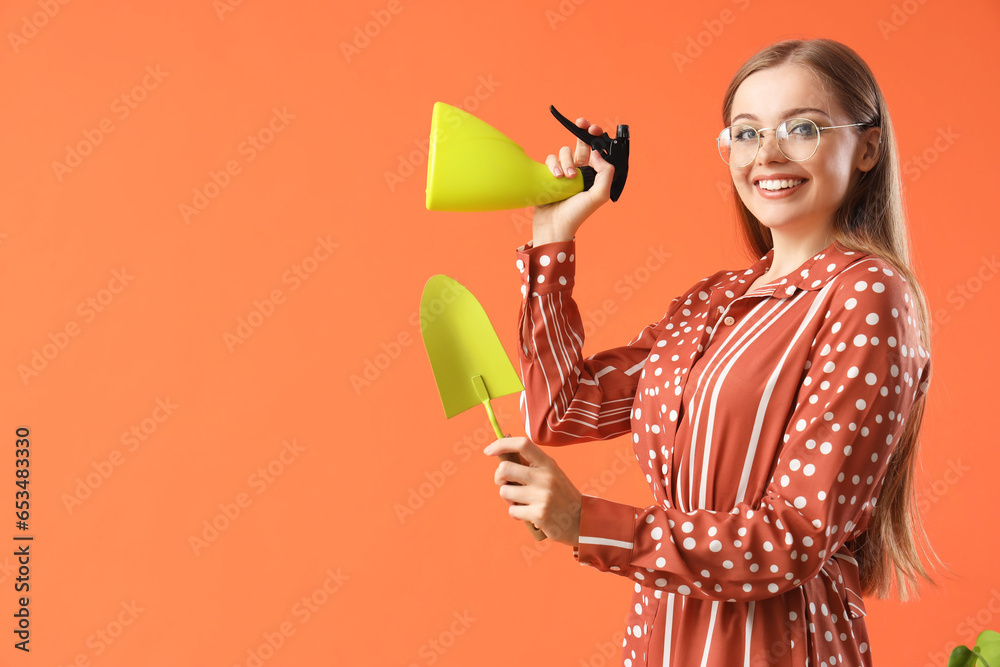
{"x": 760, "y": 133}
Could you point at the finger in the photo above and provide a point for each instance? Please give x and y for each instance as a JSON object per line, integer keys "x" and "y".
{"x": 529, "y": 451}
{"x": 581, "y": 153}
{"x": 552, "y": 162}
{"x": 525, "y": 513}
{"x": 509, "y": 472}
{"x": 567, "y": 161}
{"x": 517, "y": 495}
{"x": 601, "y": 188}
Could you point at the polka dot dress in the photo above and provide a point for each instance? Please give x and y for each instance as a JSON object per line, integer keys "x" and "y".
{"x": 763, "y": 422}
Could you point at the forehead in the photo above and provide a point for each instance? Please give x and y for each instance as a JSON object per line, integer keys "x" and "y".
{"x": 768, "y": 93}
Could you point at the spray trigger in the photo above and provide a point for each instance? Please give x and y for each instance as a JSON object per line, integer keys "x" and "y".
{"x": 615, "y": 151}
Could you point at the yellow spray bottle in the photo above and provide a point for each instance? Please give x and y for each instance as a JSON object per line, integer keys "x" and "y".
{"x": 471, "y": 166}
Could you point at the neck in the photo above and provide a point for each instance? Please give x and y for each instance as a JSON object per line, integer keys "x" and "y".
{"x": 791, "y": 250}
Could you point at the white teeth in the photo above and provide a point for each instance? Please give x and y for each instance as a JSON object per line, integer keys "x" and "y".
{"x": 779, "y": 185}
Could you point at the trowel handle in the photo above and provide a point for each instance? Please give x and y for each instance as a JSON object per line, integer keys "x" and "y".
{"x": 513, "y": 458}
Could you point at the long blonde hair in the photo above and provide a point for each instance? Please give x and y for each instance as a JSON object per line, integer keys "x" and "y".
{"x": 870, "y": 220}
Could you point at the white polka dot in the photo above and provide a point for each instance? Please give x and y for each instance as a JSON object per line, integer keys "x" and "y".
{"x": 861, "y": 286}
{"x": 684, "y": 590}
{"x": 747, "y": 587}
{"x": 656, "y": 533}
{"x": 871, "y": 378}
{"x": 687, "y": 526}
{"x": 541, "y": 279}
{"x": 850, "y": 303}
{"x": 800, "y": 502}
{"x": 689, "y": 543}
{"x": 772, "y": 588}
{"x": 715, "y": 546}
{"x": 768, "y": 546}
{"x": 544, "y": 260}
{"x": 661, "y": 562}
{"x": 860, "y": 340}
{"x": 562, "y": 280}
{"x": 872, "y": 318}
{"x": 520, "y": 265}
{"x": 861, "y": 404}
{"x": 728, "y": 564}
{"x": 829, "y": 367}
{"x": 561, "y": 257}
{"x": 808, "y": 470}
{"x": 878, "y": 287}
{"x": 661, "y": 582}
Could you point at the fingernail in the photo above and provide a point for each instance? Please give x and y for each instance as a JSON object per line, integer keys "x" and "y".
{"x": 557, "y": 172}
{"x": 571, "y": 172}
{"x": 487, "y": 450}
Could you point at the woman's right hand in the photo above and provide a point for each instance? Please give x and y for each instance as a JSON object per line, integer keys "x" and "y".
{"x": 559, "y": 221}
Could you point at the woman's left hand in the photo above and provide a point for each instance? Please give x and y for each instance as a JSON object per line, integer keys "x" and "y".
{"x": 546, "y": 497}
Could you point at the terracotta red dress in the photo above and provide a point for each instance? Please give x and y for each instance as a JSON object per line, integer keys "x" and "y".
{"x": 763, "y": 422}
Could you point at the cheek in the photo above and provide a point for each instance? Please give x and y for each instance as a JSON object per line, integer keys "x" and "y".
{"x": 835, "y": 175}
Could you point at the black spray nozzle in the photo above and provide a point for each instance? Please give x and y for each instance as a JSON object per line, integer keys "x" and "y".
{"x": 615, "y": 151}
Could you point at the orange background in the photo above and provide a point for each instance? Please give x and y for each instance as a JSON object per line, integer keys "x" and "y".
{"x": 455, "y": 581}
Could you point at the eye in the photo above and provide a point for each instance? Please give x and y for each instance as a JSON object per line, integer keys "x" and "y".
{"x": 743, "y": 133}
{"x": 801, "y": 128}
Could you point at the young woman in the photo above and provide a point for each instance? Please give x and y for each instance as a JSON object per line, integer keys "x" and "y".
{"x": 774, "y": 410}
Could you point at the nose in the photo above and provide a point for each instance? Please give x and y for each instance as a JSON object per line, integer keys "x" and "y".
{"x": 769, "y": 151}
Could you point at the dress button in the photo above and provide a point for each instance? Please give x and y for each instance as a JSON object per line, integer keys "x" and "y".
{"x": 729, "y": 320}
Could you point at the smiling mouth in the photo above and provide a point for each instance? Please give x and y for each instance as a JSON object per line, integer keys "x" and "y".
{"x": 775, "y": 185}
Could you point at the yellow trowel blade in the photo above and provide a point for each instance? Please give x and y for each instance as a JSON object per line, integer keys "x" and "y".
{"x": 462, "y": 344}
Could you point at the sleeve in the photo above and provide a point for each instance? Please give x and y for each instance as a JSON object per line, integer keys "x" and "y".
{"x": 568, "y": 399}
{"x": 865, "y": 369}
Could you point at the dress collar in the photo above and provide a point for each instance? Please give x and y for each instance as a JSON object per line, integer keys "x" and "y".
{"x": 813, "y": 274}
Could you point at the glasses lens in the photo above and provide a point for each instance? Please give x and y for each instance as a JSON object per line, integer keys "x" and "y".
{"x": 798, "y": 138}
{"x": 738, "y": 145}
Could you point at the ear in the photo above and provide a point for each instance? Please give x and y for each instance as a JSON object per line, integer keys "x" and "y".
{"x": 869, "y": 149}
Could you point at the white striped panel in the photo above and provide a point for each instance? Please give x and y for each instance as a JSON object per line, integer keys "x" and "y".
{"x": 603, "y": 541}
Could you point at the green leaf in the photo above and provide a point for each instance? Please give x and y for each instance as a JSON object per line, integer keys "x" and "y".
{"x": 988, "y": 643}
{"x": 961, "y": 656}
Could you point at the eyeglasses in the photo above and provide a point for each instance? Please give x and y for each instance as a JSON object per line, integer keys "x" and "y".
{"x": 797, "y": 139}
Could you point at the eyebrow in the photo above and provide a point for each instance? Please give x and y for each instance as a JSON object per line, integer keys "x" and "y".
{"x": 787, "y": 114}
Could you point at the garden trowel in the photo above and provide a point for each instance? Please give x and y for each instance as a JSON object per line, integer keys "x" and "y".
{"x": 469, "y": 363}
